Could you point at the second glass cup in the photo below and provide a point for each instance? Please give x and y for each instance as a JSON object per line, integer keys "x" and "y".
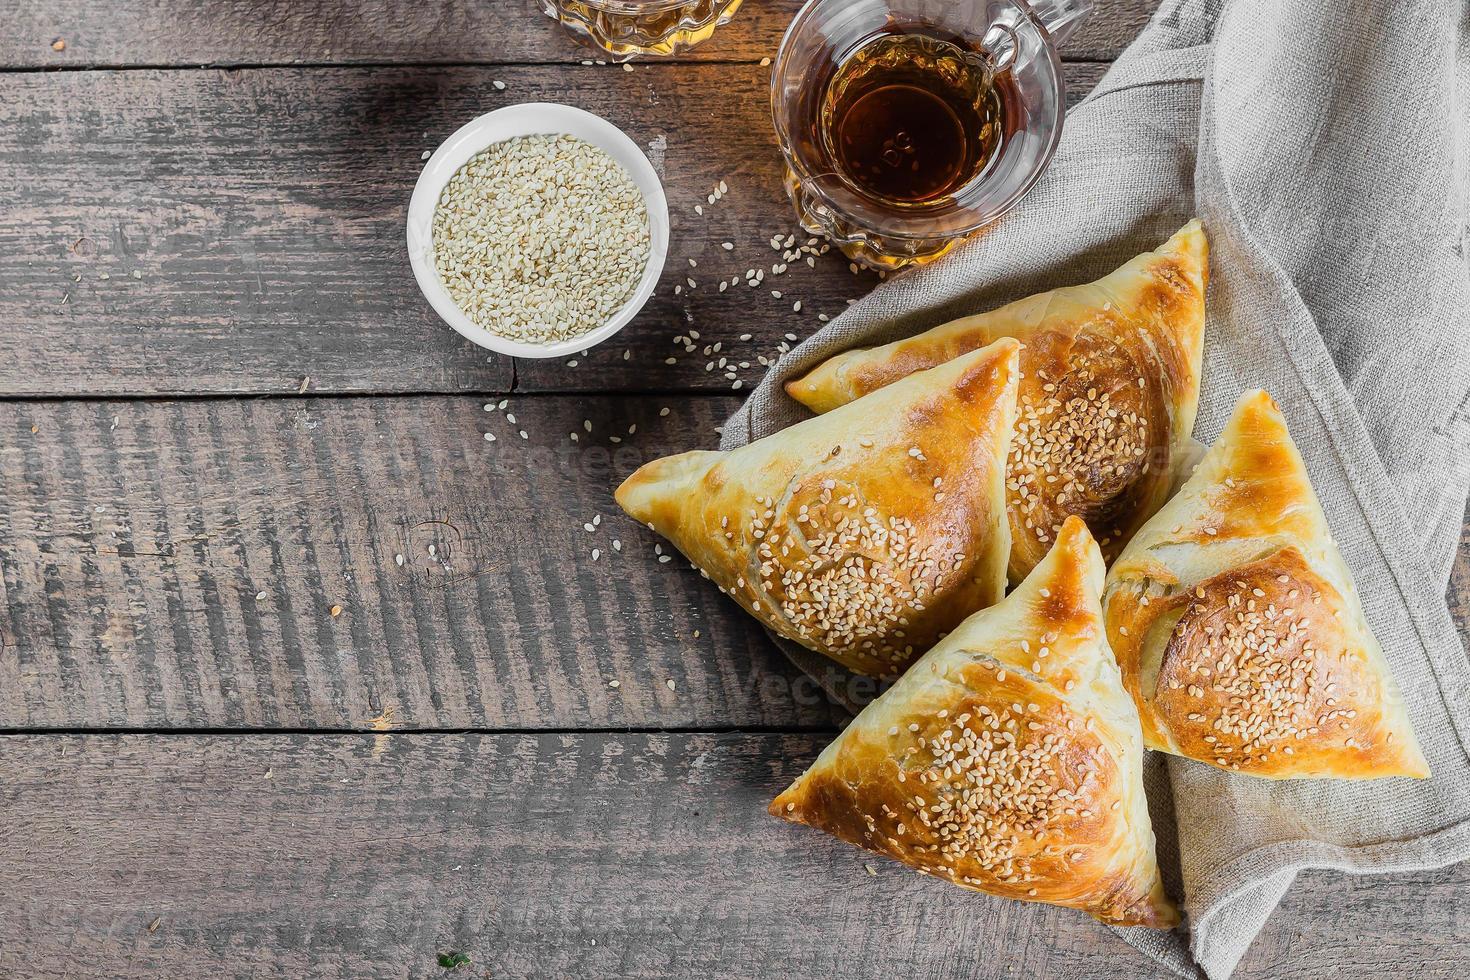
{"x": 628, "y": 28}
{"x": 907, "y": 125}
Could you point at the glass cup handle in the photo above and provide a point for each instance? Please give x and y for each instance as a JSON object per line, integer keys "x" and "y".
{"x": 1061, "y": 18}
{"x": 1002, "y": 46}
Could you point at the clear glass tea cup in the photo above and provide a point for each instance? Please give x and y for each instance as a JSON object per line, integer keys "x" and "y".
{"x": 628, "y": 28}
{"x": 1016, "y": 43}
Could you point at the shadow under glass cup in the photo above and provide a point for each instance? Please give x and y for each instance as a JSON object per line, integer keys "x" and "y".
{"x": 628, "y": 28}
{"x": 1006, "y": 49}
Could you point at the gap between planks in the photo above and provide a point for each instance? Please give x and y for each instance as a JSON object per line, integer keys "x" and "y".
{"x": 230, "y": 66}
{"x": 421, "y": 731}
{"x": 311, "y": 394}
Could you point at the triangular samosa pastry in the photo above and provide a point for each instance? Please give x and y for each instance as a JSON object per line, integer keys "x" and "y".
{"x": 865, "y": 534}
{"x": 1109, "y": 390}
{"x": 1238, "y": 628}
{"x": 1008, "y": 759}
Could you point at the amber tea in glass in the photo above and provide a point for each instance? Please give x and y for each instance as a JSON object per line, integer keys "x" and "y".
{"x": 907, "y": 125}
{"x": 912, "y": 115}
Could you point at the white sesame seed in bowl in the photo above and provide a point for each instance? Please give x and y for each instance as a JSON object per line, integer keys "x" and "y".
{"x": 538, "y": 230}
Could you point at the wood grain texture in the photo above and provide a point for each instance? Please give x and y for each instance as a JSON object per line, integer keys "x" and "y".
{"x": 263, "y": 210}
{"x": 233, "y": 32}
{"x": 538, "y": 856}
{"x": 175, "y": 564}
{"x": 1335, "y": 925}
{"x": 1458, "y": 594}
{"x": 549, "y": 855}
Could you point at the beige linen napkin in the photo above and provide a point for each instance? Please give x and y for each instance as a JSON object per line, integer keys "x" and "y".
{"x": 1325, "y": 146}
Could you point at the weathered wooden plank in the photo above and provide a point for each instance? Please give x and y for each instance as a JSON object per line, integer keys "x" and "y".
{"x": 135, "y": 537}
{"x": 253, "y": 32}
{"x": 551, "y": 855}
{"x": 249, "y": 226}
{"x": 548, "y": 855}
{"x": 1458, "y": 594}
{"x": 1332, "y": 925}
{"x": 169, "y": 565}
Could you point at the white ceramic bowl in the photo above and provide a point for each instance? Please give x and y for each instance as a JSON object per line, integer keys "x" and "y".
{"x": 528, "y": 119}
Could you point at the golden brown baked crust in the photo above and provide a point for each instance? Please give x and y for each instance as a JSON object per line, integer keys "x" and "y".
{"x": 1008, "y": 759}
{"x": 1107, "y": 400}
{"x": 1238, "y": 628}
{"x": 864, "y": 534}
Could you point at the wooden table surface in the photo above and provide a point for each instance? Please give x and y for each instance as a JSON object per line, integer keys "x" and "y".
{"x": 225, "y": 410}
